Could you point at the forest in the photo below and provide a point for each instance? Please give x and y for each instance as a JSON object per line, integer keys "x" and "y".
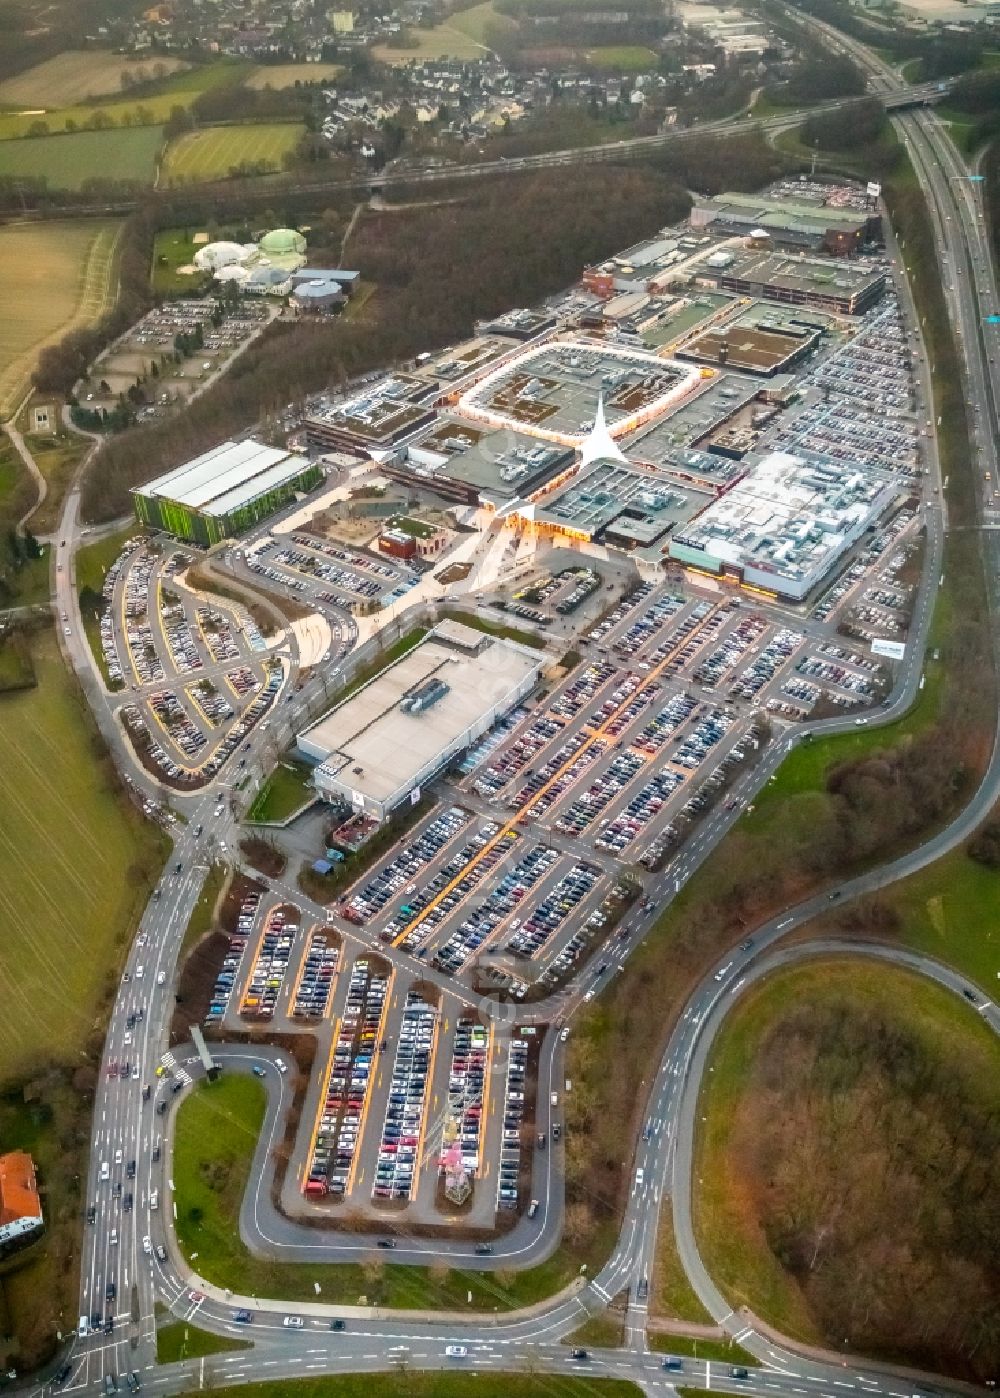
{"x": 872, "y": 1163}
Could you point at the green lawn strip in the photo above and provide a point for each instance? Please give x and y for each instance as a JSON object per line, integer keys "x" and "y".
{"x": 286, "y": 789}
{"x": 179, "y": 1341}
{"x": 670, "y": 1293}
{"x": 604, "y": 1331}
{"x": 496, "y": 628}
{"x": 443, "y": 1385}
{"x": 731, "y": 1240}
{"x": 94, "y": 560}
{"x": 201, "y": 914}
{"x": 729, "y": 1352}
{"x": 216, "y": 1133}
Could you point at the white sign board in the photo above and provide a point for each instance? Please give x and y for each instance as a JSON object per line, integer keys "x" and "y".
{"x": 357, "y": 801}
{"x": 893, "y": 650}
{"x": 873, "y": 190}
{"x": 415, "y": 796}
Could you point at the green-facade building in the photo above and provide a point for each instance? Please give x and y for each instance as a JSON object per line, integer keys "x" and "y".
{"x": 224, "y": 492}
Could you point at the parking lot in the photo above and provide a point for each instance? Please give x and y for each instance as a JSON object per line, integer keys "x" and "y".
{"x": 195, "y": 674}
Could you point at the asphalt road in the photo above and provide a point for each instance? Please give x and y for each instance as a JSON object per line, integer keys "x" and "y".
{"x": 123, "y": 1123}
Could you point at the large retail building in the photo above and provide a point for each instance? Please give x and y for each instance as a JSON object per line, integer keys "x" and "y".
{"x": 381, "y": 745}
{"x": 224, "y": 491}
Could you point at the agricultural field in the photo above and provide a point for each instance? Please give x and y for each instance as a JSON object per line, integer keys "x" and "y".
{"x": 150, "y": 108}
{"x": 52, "y": 276}
{"x": 68, "y": 161}
{"x": 279, "y": 75}
{"x": 462, "y": 35}
{"x": 74, "y": 77}
{"x": 77, "y": 864}
{"x": 211, "y": 154}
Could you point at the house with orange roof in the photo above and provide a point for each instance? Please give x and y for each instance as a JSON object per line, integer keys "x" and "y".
{"x": 20, "y": 1206}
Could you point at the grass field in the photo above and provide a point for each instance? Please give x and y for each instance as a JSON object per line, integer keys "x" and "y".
{"x": 622, "y": 58}
{"x": 173, "y": 248}
{"x": 180, "y": 1341}
{"x": 210, "y": 154}
{"x": 285, "y": 790}
{"x": 949, "y": 911}
{"x": 52, "y": 276}
{"x": 150, "y": 108}
{"x": 460, "y": 36}
{"x": 77, "y": 76}
{"x": 76, "y": 868}
{"x": 278, "y": 75}
{"x": 731, "y": 1240}
{"x": 57, "y": 456}
{"x": 67, "y": 162}
{"x": 217, "y": 1129}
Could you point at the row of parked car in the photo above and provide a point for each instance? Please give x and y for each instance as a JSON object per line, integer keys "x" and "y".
{"x": 397, "y": 1157}
{"x": 648, "y": 624}
{"x": 183, "y": 648}
{"x": 312, "y": 995}
{"x": 618, "y": 833}
{"x": 218, "y": 634}
{"x": 225, "y": 980}
{"x": 260, "y": 996}
{"x": 342, "y": 1108}
{"x": 186, "y": 734}
{"x": 508, "y": 1186}
{"x": 478, "y": 864}
{"x": 553, "y": 910}
{"x": 499, "y": 904}
{"x": 466, "y": 1085}
{"x": 399, "y": 873}
{"x": 312, "y": 566}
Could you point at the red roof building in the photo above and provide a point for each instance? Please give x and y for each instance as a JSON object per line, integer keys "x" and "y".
{"x": 20, "y": 1206}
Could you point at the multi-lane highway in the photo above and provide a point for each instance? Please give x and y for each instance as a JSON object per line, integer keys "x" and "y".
{"x": 126, "y": 1124}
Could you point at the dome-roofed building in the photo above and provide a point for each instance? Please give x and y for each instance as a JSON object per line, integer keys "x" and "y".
{"x": 280, "y": 242}
{"x": 214, "y": 256}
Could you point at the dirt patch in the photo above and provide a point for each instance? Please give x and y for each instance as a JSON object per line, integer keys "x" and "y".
{"x": 264, "y": 856}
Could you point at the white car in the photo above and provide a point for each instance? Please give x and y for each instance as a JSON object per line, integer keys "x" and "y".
{"x": 281, "y": 1065}
{"x": 640, "y": 1175}
{"x": 118, "y": 1156}
{"x": 139, "y": 972}
{"x": 147, "y": 1245}
{"x": 113, "y": 1240}
{"x": 456, "y": 1351}
{"x": 293, "y": 1322}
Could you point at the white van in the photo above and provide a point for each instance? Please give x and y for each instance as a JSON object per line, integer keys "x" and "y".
{"x": 105, "y": 1170}
{"x": 83, "y": 1329}
{"x": 154, "y": 1199}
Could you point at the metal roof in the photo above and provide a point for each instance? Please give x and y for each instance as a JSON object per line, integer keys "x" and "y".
{"x": 227, "y": 476}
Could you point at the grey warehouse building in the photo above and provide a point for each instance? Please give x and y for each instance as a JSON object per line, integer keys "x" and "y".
{"x": 404, "y": 726}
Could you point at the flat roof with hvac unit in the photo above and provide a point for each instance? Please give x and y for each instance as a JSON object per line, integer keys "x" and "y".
{"x": 401, "y": 728}
{"x": 223, "y": 491}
